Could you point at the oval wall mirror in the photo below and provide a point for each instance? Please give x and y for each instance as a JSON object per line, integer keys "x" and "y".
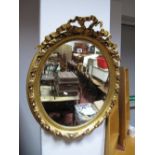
{"x": 73, "y": 80}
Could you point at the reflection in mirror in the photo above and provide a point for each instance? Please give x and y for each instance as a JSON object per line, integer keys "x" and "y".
{"x": 74, "y": 83}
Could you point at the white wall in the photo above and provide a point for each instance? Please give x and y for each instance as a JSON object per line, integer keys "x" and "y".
{"x": 54, "y": 13}
{"x": 92, "y": 144}
{"x": 30, "y": 133}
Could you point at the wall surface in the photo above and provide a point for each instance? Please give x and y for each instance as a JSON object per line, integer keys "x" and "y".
{"x": 128, "y": 54}
{"x": 92, "y": 144}
{"x": 54, "y": 13}
{"x": 115, "y": 22}
{"x": 128, "y": 8}
{"x": 30, "y": 143}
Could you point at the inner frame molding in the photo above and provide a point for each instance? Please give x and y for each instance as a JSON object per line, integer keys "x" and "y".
{"x": 69, "y": 32}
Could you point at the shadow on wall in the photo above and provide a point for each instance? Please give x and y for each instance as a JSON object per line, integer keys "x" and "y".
{"x": 29, "y": 130}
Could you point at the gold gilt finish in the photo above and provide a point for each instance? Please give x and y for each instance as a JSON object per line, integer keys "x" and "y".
{"x": 63, "y": 34}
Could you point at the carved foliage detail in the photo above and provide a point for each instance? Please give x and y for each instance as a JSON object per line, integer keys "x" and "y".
{"x": 69, "y": 29}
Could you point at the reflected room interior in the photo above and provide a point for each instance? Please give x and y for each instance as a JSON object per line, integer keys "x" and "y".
{"x": 74, "y": 83}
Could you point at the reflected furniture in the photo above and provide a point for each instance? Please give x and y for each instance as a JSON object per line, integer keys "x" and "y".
{"x": 67, "y": 83}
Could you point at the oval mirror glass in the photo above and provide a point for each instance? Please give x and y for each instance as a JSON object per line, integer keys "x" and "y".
{"x": 74, "y": 83}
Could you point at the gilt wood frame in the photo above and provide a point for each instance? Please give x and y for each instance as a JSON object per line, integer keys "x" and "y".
{"x": 63, "y": 34}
